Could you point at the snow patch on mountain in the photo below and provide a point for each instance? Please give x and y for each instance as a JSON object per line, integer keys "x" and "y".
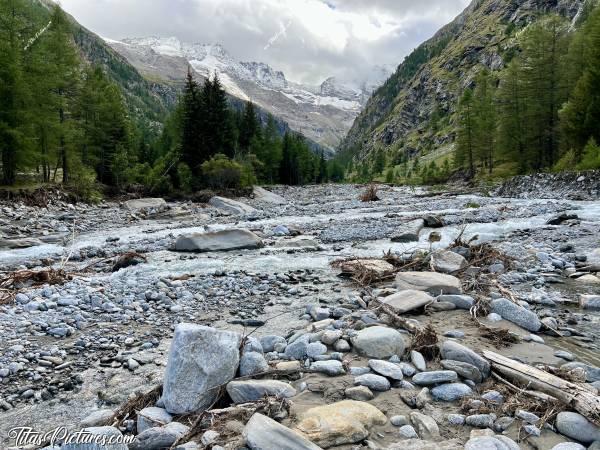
{"x": 335, "y": 102}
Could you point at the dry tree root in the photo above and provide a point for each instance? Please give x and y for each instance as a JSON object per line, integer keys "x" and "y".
{"x": 127, "y": 260}
{"x": 370, "y": 194}
{"x": 364, "y": 271}
{"x": 499, "y": 337}
{"x": 215, "y": 419}
{"x": 132, "y": 406}
{"x": 425, "y": 341}
{"x": 11, "y": 282}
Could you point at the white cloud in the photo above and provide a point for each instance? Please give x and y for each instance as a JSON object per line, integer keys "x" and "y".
{"x": 308, "y": 39}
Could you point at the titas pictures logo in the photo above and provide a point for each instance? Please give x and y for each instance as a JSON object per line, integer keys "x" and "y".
{"x": 25, "y": 436}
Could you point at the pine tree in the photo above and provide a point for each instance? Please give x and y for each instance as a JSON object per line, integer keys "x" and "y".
{"x": 64, "y": 76}
{"x": 322, "y": 170}
{"x": 193, "y": 152}
{"x": 249, "y": 127}
{"x": 465, "y": 142}
{"x": 12, "y": 87}
{"x": 544, "y": 46}
{"x": 581, "y": 115}
{"x": 485, "y": 120}
{"x": 511, "y": 116}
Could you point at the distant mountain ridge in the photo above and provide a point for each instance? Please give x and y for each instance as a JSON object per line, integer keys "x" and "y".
{"x": 323, "y": 113}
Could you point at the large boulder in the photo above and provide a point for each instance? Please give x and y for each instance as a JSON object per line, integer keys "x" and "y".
{"x": 577, "y": 427}
{"x": 377, "y": 268}
{"x": 201, "y": 360}
{"x": 379, "y": 342}
{"x": 446, "y": 261}
{"x": 405, "y": 301}
{"x": 265, "y": 196}
{"x": 432, "y": 282}
{"x": 345, "y": 422}
{"x": 408, "y": 232}
{"x": 12, "y": 244}
{"x": 516, "y": 314}
{"x": 263, "y": 433}
{"x": 456, "y": 352}
{"x": 232, "y": 206}
{"x": 147, "y": 204}
{"x": 244, "y": 391}
{"x": 218, "y": 241}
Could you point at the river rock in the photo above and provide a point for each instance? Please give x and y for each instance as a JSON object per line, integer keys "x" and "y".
{"x": 591, "y": 302}
{"x": 408, "y": 300}
{"x": 418, "y": 360}
{"x": 426, "y": 427}
{"x": 252, "y": 363}
{"x": 516, "y": 314}
{"x": 409, "y": 232}
{"x": 408, "y": 432}
{"x": 454, "y": 351}
{"x": 434, "y": 377}
{"x": 451, "y": 392}
{"x": 152, "y": 417}
{"x": 331, "y": 368}
{"x": 387, "y": 369}
{"x": 200, "y": 360}
{"x": 432, "y": 282}
{"x": 98, "y": 418}
{"x": 360, "y": 393}
{"x": 345, "y": 422}
{"x": 373, "y": 382}
{"x": 445, "y": 261}
{"x": 218, "y": 241}
{"x": 568, "y": 446}
{"x": 268, "y": 342}
{"x": 266, "y": 196}
{"x": 148, "y": 204}
{"x": 263, "y": 433}
{"x": 301, "y": 242}
{"x": 232, "y": 206}
{"x": 577, "y": 427}
{"x": 379, "y": 342}
{"x": 378, "y": 267}
{"x": 244, "y": 391}
{"x": 19, "y": 243}
{"x": 465, "y": 370}
{"x": 491, "y": 443}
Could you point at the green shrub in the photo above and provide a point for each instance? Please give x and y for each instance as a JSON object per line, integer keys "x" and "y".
{"x": 591, "y": 156}
{"x": 83, "y": 184}
{"x": 220, "y": 172}
{"x": 185, "y": 177}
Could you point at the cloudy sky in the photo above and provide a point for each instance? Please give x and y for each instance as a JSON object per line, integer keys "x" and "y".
{"x": 308, "y": 39}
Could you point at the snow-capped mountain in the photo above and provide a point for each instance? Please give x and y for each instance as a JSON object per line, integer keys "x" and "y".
{"x": 323, "y": 113}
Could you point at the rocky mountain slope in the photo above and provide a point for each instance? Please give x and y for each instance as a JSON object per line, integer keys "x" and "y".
{"x": 413, "y": 112}
{"x": 322, "y": 113}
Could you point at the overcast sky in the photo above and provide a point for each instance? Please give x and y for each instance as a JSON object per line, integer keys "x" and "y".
{"x": 308, "y": 40}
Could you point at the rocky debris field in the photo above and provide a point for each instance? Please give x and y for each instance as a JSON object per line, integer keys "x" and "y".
{"x": 304, "y": 318}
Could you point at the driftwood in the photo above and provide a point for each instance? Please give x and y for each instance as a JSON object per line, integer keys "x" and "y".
{"x": 407, "y": 324}
{"x": 580, "y": 397}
